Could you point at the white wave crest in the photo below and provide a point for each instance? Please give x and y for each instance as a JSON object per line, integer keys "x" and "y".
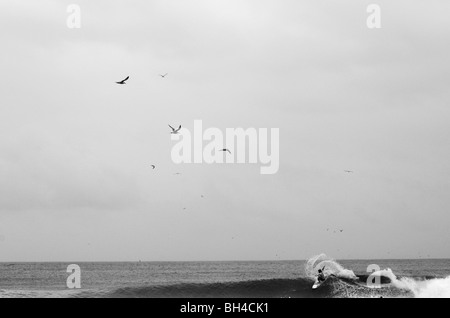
{"x": 331, "y": 267}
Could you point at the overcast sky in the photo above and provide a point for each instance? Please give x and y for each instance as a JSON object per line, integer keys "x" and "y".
{"x": 76, "y": 149}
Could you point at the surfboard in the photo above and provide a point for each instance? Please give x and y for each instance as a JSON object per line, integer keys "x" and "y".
{"x": 317, "y": 284}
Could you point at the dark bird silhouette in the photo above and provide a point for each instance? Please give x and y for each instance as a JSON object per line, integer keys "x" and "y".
{"x": 342, "y": 231}
{"x": 153, "y": 167}
{"x": 226, "y": 150}
{"x": 177, "y": 173}
{"x": 175, "y": 131}
{"x": 163, "y": 76}
{"x": 123, "y": 81}
{"x": 348, "y": 171}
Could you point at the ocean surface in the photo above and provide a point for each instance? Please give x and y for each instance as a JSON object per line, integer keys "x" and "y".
{"x": 272, "y": 279}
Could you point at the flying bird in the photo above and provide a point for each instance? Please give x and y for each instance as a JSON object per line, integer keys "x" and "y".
{"x": 163, "y": 75}
{"x": 348, "y": 171}
{"x": 123, "y": 81}
{"x": 175, "y": 131}
{"x": 226, "y": 150}
{"x": 177, "y": 174}
{"x": 153, "y": 167}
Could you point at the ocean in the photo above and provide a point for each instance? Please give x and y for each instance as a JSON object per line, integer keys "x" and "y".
{"x": 256, "y": 279}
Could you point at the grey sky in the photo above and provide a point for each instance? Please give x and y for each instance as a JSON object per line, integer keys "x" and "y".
{"x": 76, "y": 149}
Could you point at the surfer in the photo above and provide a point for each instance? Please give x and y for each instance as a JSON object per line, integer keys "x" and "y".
{"x": 321, "y": 276}
{"x": 320, "y": 279}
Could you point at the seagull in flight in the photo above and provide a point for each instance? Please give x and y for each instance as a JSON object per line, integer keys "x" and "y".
{"x": 226, "y": 150}
{"x": 163, "y": 76}
{"x": 123, "y": 81}
{"x": 175, "y": 131}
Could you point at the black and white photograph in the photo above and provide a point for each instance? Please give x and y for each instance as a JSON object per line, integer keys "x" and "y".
{"x": 235, "y": 150}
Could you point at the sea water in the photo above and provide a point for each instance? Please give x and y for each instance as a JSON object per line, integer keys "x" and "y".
{"x": 272, "y": 279}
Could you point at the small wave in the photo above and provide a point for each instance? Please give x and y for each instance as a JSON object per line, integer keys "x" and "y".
{"x": 38, "y": 293}
{"x": 273, "y": 288}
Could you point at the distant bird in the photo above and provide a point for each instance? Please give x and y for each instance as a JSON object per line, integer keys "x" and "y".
{"x": 342, "y": 231}
{"x": 226, "y": 150}
{"x": 202, "y": 196}
{"x": 164, "y": 75}
{"x": 177, "y": 173}
{"x": 123, "y": 81}
{"x": 348, "y": 171}
{"x": 153, "y": 167}
{"x": 175, "y": 131}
